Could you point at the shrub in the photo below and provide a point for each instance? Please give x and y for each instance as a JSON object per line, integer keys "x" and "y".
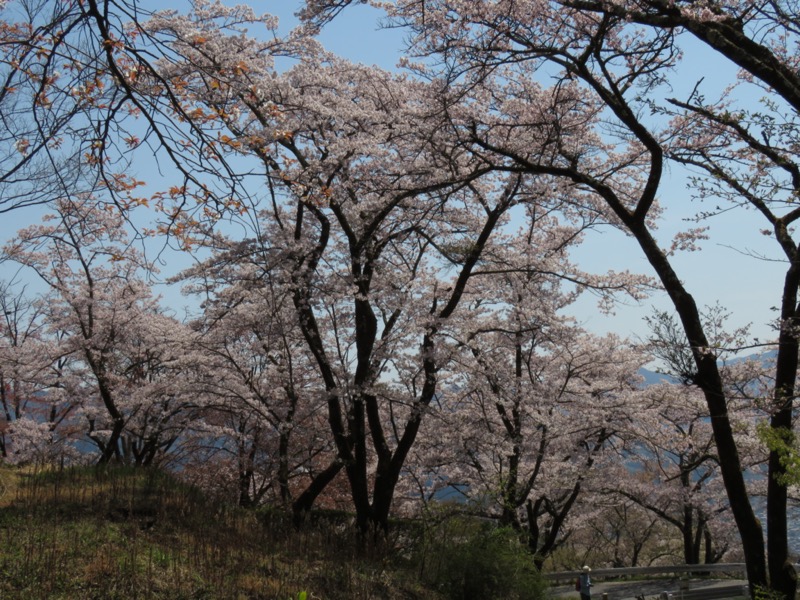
{"x": 467, "y": 559}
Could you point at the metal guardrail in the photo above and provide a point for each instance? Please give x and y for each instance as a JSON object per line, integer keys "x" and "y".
{"x": 731, "y": 568}
{"x": 713, "y": 593}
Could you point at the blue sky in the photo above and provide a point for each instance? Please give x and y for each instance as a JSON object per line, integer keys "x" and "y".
{"x": 720, "y": 273}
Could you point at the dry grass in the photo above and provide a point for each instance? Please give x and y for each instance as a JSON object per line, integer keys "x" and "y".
{"x": 91, "y": 534}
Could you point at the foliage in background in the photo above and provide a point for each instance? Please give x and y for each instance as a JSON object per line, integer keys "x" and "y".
{"x": 783, "y": 441}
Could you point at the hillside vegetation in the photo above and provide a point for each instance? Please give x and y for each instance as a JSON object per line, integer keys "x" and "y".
{"x": 121, "y": 533}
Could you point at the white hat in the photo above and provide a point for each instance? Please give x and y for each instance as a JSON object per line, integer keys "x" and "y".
{"x": 586, "y": 568}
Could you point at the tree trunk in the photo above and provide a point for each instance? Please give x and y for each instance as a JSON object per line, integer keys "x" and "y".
{"x": 305, "y": 501}
{"x": 690, "y": 557}
{"x": 111, "y": 449}
{"x": 283, "y": 468}
{"x": 710, "y": 382}
{"x": 782, "y": 576}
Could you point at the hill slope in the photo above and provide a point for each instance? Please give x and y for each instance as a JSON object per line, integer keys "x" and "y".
{"x": 140, "y": 534}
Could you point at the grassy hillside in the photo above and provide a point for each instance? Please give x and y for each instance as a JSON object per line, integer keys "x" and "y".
{"x": 130, "y": 534}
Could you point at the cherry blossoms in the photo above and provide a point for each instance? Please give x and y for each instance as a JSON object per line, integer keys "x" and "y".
{"x": 381, "y": 273}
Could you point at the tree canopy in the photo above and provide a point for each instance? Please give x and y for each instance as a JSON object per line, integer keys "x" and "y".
{"x": 383, "y": 259}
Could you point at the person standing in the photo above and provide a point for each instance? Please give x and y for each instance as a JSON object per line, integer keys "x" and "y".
{"x": 585, "y": 583}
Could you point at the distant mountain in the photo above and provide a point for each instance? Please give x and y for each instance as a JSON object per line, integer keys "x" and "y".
{"x": 652, "y": 377}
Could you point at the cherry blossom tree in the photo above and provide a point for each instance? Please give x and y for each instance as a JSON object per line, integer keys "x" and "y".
{"x": 369, "y": 210}
{"x": 541, "y": 400}
{"x": 83, "y": 96}
{"x": 373, "y": 207}
{"x": 622, "y": 534}
{"x": 607, "y": 71}
{"x": 263, "y": 380}
{"x": 158, "y": 376}
{"x": 342, "y": 237}
{"x": 671, "y": 469}
{"x": 37, "y": 413}
{"x": 677, "y": 472}
{"x": 113, "y": 345}
{"x": 41, "y": 117}
{"x": 19, "y": 326}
